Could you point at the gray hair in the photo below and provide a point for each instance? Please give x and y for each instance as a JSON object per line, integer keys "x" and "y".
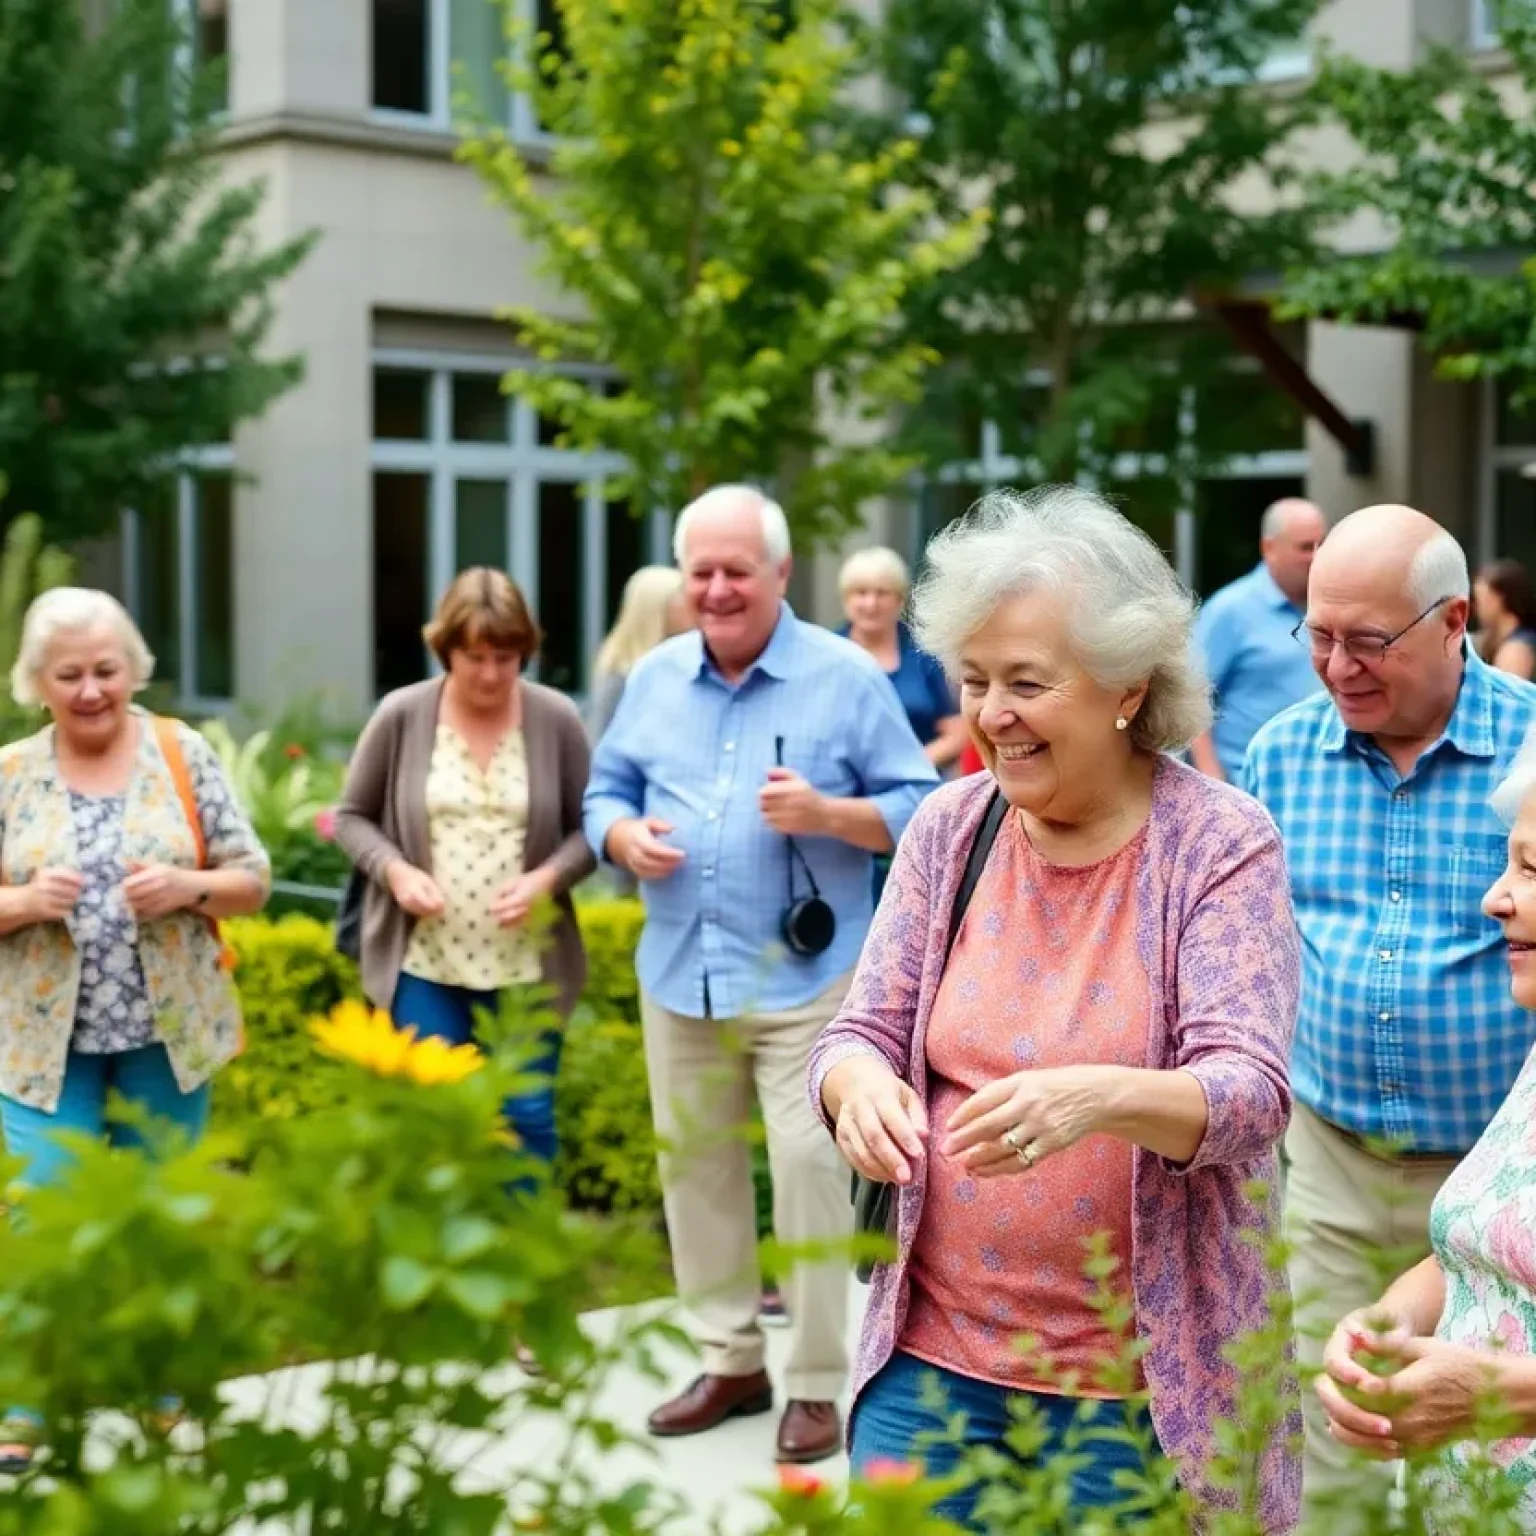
{"x": 717, "y": 498}
{"x": 877, "y": 567}
{"x": 1272, "y": 524}
{"x": 1439, "y": 570}
{"x": 74, "y": 611}
{"x": 1129, "y": 620}
{"x": 1517, "y": 783}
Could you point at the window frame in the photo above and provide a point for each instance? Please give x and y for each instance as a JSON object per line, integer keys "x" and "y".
{"x": 187, "y": 60}
{"x": 521, "y": 463}
{"x": 216, "y": 459}
{"x": 1484, "y": 29}
{"x": 992, "y": 468}
{"x": 522, "y": 122}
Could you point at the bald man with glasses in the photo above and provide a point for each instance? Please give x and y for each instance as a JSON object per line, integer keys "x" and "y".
{"x": 1407, "y": 1039}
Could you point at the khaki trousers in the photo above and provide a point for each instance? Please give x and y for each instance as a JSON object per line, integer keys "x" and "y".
{"x": 703, "y": 1073}
{"x": 1354, "y": 1222}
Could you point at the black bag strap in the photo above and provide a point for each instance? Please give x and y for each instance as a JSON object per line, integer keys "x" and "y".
{"x": 976, "y": 861}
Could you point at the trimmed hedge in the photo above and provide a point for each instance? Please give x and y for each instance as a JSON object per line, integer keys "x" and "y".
{"x": 289, "y": 973}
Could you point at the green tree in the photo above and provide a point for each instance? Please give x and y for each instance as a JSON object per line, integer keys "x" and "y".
{"x": 1447, "y": 158}
{"x": 1118, "y": 143}
{"x": 133, "y": 296}
{"x": 727, "y": 250}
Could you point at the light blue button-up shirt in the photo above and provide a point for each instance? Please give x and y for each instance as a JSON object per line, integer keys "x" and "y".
{"x": 1256, "y": 668}
{"x": 1406, "y": 1029}
{"x": 687, "y": 747}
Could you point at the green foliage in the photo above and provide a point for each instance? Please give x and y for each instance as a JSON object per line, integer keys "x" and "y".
{"x": 135, "y": 302}
{"x": 288, "y": 973}
{"x": 735, "y": 257}
{"x": 28, "y": 567}
{"x": 1447, "y": 157}
{"x": 1108, "y": 139}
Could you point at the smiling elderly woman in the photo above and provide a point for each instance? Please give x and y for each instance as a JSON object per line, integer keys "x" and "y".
{"x": 1101, "y": 1046}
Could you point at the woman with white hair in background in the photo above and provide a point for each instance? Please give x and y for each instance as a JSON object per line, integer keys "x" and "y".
{"x": 121, "y": 845}
{"x": 1096, "y": 1046}
{"x": 654, "y": 608}
{"x": 1454, "y": 1339}
{"x": 874, "y": 584}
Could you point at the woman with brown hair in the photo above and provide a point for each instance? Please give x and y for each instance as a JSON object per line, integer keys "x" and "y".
{"x": 1505, "y": 601}
{"x": 462, "y": 810}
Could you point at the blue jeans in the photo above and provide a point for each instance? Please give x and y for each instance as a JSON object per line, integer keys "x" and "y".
{"x": 433, "y": 1008}
{"x": 893, "y": 1416}
{"x": 142, "y": 1077}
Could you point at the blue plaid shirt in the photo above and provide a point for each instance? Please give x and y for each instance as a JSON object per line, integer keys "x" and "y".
{"x": 1407, "y": 1031}
{"x": 687, "y": 747}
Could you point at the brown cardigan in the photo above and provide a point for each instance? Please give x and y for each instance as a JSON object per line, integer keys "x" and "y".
{"x": 383, "y": 817}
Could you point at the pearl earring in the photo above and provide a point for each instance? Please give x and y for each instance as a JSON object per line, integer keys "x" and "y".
{"x": 1121, "y": 723}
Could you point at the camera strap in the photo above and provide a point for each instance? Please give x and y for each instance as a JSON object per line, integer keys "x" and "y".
{"x": 795, "y": 851}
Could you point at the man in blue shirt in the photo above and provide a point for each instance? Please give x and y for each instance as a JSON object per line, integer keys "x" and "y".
{"x": 1244, "y": 635}
{"x": 1407, "y": 1039}
{"x": 754, "y": 763}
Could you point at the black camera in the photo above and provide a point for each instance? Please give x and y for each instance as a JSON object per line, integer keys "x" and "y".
{"x": 808, "y": 925}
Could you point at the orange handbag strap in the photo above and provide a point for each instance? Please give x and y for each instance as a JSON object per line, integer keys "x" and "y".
{"x": 181, "y": 777}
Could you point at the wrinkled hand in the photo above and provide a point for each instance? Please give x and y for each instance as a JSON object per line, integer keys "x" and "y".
{"x": 511, "y": 905}
{"x": 881, "y": 1123}
{"x": 1048, "y": 1110}
{"x": 53, "y": 894}
{"x": 636, "y": 844}
{"x": 415, "y": 891}
{"x": 790, "y": 805}
{"x": 155, "y": 890}
{"x": 1387, "y": 1393}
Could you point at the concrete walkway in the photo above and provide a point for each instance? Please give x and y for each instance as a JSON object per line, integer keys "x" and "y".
{"x": 715, "y": 1476}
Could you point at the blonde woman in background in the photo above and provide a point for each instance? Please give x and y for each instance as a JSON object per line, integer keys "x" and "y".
{"x": 874, "y": 584}
{"x": 653, "y": 609}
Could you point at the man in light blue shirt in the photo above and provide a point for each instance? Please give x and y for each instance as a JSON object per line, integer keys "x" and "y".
{"x": 753, "y": 764}
{"x": 1244, "y": 634}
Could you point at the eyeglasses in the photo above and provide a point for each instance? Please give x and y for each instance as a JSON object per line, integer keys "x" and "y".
{"x": 1356, "y": 647}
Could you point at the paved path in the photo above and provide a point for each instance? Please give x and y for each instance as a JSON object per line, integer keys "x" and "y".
{"x": 716, "y": 1474}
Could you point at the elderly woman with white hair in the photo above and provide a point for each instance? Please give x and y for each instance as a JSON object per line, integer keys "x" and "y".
{"x": 1447, "y": 1357}
{"x": 874, "y": 584}
{"x": 121, "y": 845}
{"x": 1070, "y": 1023}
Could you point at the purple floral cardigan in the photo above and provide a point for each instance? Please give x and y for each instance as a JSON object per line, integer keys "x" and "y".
{"x": 1219, "y": 942}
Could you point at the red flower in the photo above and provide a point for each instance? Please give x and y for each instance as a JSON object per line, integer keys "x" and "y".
{"x": 293, "y": 752}
{"x": 325, "y": 824}
{"x": 797, "y": 1480}
{"x": 884, "y": 1469}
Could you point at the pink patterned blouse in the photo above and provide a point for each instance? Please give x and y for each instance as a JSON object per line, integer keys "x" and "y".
{"x": 1217, "y": 942}
{"x": 1044, "y": 973}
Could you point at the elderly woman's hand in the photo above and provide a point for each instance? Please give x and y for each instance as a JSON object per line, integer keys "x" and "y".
{"x": 1356, "y": 1399}
{"x": 52, "y": 893}
{"x": 881, "y": 1122}
{"x": 155, "y": 890}
{"x": 1012, "y": 1124}
{"x": 1432, "y": 1398}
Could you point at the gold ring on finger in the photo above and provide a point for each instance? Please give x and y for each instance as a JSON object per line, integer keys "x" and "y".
{"x": 1029, "y": 1153}
{"x": 1011, "y": 1139}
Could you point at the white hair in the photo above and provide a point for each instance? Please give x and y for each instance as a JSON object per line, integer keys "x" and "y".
{"x": 1439, "y": 570}
{"x": 1129, "y": 620}
{"x": 74, "y": 611}
{"x": 1277, "y": 513}
{"x": 877, "y": 567}
{"x": 719, "y": 498}
{"x": 1507, "y": 799}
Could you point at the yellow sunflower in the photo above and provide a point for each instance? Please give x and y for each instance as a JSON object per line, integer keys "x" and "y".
{"x": 368, "y": 1038}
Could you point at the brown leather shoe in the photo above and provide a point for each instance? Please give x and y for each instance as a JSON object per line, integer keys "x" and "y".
{"x": 710, "y": 1401}
{"x": 810, "y": 1432}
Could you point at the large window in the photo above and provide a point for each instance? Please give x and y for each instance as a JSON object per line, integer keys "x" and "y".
{"x": 432, "y": 58}
{"x": 179, "y": 575}
{"x": 1207, "y": 525}
{"x": 464, "y": 475}
{"x": 1509, "y": 519}
{"x": 206, "y": 27}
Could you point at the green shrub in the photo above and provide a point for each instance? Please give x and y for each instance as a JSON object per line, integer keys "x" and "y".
{"x": 288, "y": 974}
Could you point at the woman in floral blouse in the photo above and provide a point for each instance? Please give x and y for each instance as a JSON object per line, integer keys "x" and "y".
{"x": 120, "y": 845}
{"x": 1455, "y": 1337}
